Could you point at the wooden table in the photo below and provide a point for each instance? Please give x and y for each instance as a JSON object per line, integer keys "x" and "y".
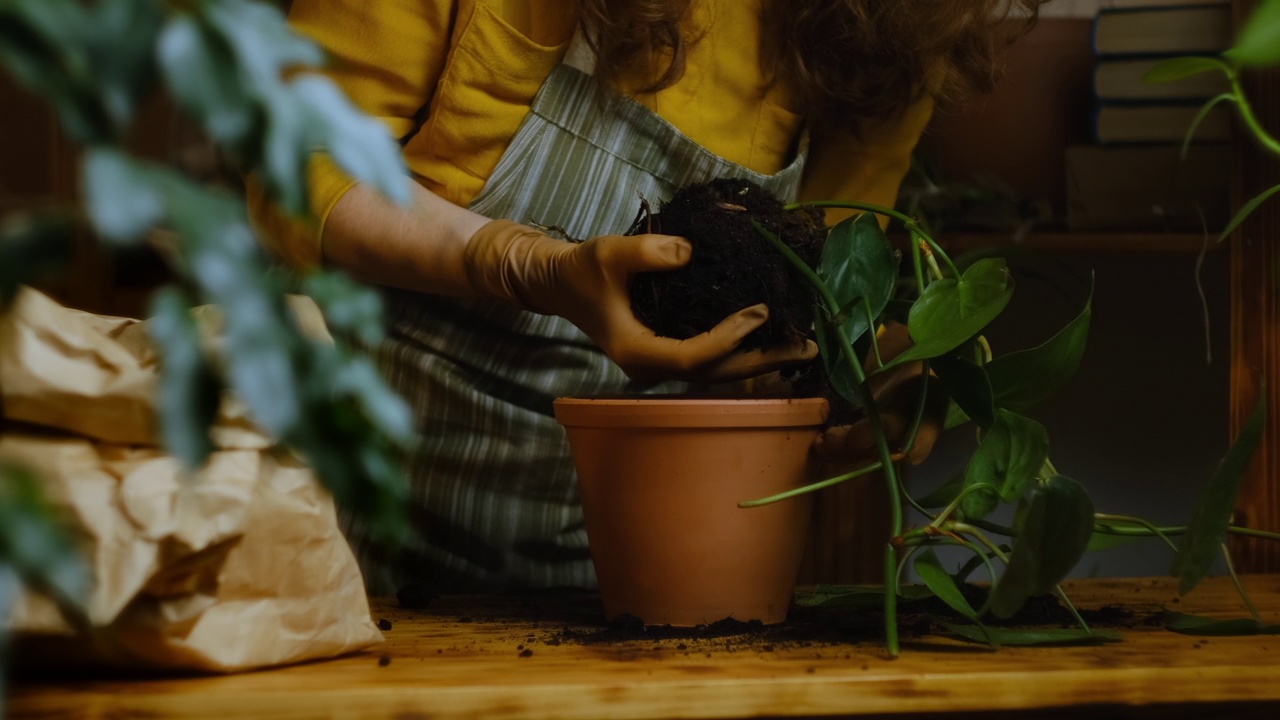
{"x": 551, "y": 656}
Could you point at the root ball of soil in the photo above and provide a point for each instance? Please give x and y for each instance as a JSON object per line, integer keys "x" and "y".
{"x": 732, "y": 266}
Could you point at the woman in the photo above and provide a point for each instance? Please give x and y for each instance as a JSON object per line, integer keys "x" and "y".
{"x": 563, "y": 113}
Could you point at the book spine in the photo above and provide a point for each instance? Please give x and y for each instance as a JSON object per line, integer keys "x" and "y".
{"x": 1209, "y": 47}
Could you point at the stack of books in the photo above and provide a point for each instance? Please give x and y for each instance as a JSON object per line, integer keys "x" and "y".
{"x": 1133, "y": 177}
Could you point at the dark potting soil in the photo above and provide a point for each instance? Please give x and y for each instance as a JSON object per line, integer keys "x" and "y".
{"x": 732, "y": 266}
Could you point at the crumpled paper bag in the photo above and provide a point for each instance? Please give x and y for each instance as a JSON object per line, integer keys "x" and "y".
{"x": 242, "y": 566}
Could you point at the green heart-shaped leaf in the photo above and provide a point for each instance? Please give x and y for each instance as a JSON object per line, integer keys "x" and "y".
{"x": 1010, "y": 456}
{"x": 859, "y": 264}
{"x": 950, "y": 312}
{"x": 1207, "y": 528}
{"x": 1020, "y": 380}
{"x": 1053, "y": 537}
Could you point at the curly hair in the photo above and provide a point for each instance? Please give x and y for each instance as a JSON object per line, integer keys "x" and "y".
{"x": 846, "y": 61}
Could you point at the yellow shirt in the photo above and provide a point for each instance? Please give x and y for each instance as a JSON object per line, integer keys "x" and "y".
{"x": 453, "y": 79}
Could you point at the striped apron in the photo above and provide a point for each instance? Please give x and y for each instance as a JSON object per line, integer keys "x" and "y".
{"x": 494, "y": 496}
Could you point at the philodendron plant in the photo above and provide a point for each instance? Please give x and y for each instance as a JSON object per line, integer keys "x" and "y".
{"x": 946, "y": 312}
{"x": 1055, "y": 520}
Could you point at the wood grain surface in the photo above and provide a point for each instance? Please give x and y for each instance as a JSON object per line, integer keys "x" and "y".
{"x": 551, "y": 656}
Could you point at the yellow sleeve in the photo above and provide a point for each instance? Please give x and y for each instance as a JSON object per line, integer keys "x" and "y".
{"x": 387, "y": 56}
{"x": 867, "y": 167}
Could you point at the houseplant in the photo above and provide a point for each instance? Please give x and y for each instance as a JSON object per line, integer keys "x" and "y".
{"x": 853, "y": 286}
{"x": 223, "y": 63}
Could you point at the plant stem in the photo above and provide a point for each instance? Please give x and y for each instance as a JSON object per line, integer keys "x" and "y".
{"x": 1103, "y": 519}
{"x": 918, "y": 418}
{"x": 1235, "y": 577}
{"x": 1250, "y": 120}
{"x": 1135, "y": 531}
{"x": 873, "y": 419}
{"x": 969, "y": 528}
{"x": 1062, "y": 595}
{"x": 932, "y": 249}
{"x": 918, "y": 265}
{"x": 905, "y": 219}
{"x": 954, "y": 504}
{"x": 796, "y": 492}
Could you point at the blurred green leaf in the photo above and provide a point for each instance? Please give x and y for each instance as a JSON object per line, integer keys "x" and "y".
{"x": 190, "y": 390}
{"x": 1180, "y": 68}
{"x": 286, "y": 146}
{"x": 42, "y": 42}
{"x": 1259, "y": 40}
{"x": 120, "y": 50}
{"x": 305, "y": 115}
{"x": 1243, "y": 213}
{"x": 262, "y": 41}
{"x": 997, "y": 636}
{"x": 1057, "y": 529}
{"x": 1207, "y": 528}
{"x": 949, "y": 312}
{"x": 937, "y": 579}
{"x": 201, "y": 74}
{"x": 1011, "y": 454}
{"x": 1196, "y": 625}
{"x": 360, "y": 145}
{"x": 123, "y": 197}
{"x": 349, "y": 308}
{"x": 35, "y": 544}
{"x": 1023, "y": 379}
{"x": 30, "y": 247}
{"x": 226, "y": 264}
{"x": 359, "y": 379}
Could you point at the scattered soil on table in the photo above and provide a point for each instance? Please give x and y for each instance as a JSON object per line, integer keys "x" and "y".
{"x": 732, "y": 266}
{"x": 576, "y": 617}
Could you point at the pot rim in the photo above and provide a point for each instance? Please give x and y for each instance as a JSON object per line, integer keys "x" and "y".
{"x": 692, "y": 412}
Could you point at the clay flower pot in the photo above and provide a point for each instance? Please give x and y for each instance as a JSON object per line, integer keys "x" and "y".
{"x": 661, "y": 479}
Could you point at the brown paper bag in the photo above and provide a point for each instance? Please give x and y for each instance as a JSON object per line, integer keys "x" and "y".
{"x": 242, "y": 566}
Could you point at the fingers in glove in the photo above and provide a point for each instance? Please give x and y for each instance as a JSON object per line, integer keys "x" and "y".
{"x": 856, "y": 443}
{"x": 711, "y": 357}
{"x": 627, "y": 254}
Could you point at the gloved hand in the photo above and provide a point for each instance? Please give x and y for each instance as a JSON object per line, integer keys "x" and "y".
{"x": 587, "y": 284}
{"x": 896, "y": 393}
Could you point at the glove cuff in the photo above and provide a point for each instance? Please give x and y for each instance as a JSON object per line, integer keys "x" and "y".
{"x": 501, "y": 260}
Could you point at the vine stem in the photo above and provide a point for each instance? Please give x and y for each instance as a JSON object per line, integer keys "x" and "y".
{"x": 796, "y": 492}
{"x": 1235, "y": 578}
{"x": 877, "y": 429}
{"x": 1134, "y": 531}
{"x": 1250, "y": 120}
{"x": 1103, "y": 519}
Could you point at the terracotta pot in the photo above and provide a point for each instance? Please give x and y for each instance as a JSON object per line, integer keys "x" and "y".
{"x": 661, "y": 479}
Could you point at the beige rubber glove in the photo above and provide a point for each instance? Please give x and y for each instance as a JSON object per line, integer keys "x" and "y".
{"x": 896, "y": 393}
{"x": 587, "y": 284}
